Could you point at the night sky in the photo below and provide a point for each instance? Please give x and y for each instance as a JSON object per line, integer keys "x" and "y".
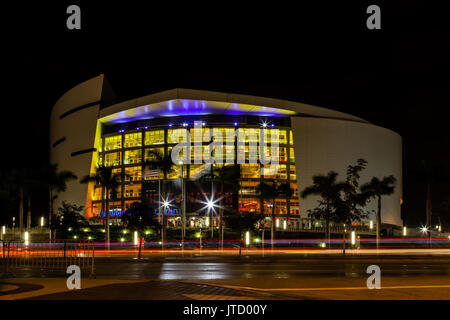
{"x": 396, "y": 77}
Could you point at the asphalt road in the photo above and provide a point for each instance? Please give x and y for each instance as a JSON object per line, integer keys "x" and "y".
{"x": 299, "y": 278}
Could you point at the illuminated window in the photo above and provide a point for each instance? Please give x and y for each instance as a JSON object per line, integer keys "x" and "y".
{"x": 269, "y": 171}
{"x": 97, "y": 194}
{"x": 291, "y": 155}
{"x": 249, "y": 205}
{"x": 248, "y": 153}
{"x": 294, "y": 189}
{"x": 273, "y": 153}
{"x": 133, "y": 140}
{"x": 291, "y": 139}
{"x": 250, "y": 171}
{"x": 149, "y": 156}
{"x": 154, "y": 137}
{"x": 175, "y": 173}
{"x": 248, "y": 187}
{"x": 292, "y": 173}
{"x": 132, "y": 191}
{"x": 176, "y": 135}
{"x": 132, "y": 156}
{"x": 223, "y": 134}
{"x": 199, "y": 152}
{"x": 200, "y": 135}
{"x": 294, "y": 207}
{"x": 280, "y": 206}
{"x": 133, "y": 174}
{"x": 281, "y": 173}
{"x": 113, "y": 143}
{"x": 270, "y": 136}
{"x": 228, "y": 152}
{"x": 152, "y": 174}
{"x": 113, "y": 159}
{"x": 247, "y": 135}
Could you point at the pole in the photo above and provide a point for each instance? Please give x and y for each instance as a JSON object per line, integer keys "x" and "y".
{"x": 211, "y": 224}
{"x": 183, "y": 221}
{"x": 262, "y": 240}
{"x": 343, "y": 238}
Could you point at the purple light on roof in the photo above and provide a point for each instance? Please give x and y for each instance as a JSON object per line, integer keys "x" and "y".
{"x": 235, "y": 124}
{"x": 170, "y": 125}
{"x": 146, "y": 127}
{"x": 272, "y": 125}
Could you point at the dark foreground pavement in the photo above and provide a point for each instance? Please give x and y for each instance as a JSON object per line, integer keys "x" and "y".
{"x": 246, "y": 278}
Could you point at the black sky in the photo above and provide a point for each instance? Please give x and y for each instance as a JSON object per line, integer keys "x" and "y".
{"x": 396, "y": 77}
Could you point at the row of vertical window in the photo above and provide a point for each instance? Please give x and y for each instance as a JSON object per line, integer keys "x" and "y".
{"x": 200, "y": 153}
{"x": 155, "y": 137}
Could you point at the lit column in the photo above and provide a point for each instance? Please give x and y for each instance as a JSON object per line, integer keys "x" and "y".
{"x": 353, "y": 238}
{"x": 42, "y": 222}
{"x": 135, "y": 238}
{"x": 371, "y": 224}
{"x": 284, "y": 225}
{"x": 247, "y": 238}
{"x": 404, "y": 231}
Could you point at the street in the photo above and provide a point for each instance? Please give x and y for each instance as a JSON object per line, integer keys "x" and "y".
{"x": 278, "y": 277}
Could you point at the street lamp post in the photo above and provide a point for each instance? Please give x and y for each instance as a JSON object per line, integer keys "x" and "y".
{"x": 183, "y": 208}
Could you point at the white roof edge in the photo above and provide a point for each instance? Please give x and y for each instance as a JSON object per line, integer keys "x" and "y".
{"x": 192, "y": 94}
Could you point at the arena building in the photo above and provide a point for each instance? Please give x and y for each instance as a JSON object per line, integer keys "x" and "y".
{"x": 88, "y": 128}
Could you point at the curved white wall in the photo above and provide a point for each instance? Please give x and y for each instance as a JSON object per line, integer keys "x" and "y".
{"x": 79, "y": 129}
{"x": 322, "y": 145}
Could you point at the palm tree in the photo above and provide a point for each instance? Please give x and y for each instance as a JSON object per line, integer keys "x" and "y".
{"x": 139, "y": 217}
{"x": 225, "y": 175}
{"x": 222, "y": 175}
{"x": 164, "y": 164}
{"x": 56, "y": 181}
{"x": 377, "y": 188}
{"x": 22, "y": 182}
{"x": 109, "y": 182}
{"x": 327, "y": 187}
{"x": 430, "y": 173}
{"x": 273, "y": 191}
{"x": 242, "y": 223}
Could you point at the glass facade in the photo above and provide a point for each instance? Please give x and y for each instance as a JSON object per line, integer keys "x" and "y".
{"x": 129, "y": 150}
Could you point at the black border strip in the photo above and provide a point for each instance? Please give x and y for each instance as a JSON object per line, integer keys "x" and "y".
{"x": 58, "y": 141}
{"x": 84, "y": 106}
{"x": 76, "y": 153}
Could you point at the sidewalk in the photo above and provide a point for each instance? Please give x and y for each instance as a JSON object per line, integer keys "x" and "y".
{"x": 107, "y": 289}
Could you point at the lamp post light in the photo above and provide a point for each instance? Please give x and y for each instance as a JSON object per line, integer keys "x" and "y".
{"x": 404, "y": 231}
{"x": 27, "y": 238}
{"x": 135, "y": 238}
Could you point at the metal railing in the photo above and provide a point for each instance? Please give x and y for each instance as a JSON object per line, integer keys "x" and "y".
{"x": 54, "y": 256}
